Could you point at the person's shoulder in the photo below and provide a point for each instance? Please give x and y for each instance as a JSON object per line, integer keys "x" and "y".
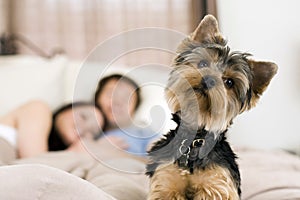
{"x": 115, "y": 131}
{"x": 145, "y": 131}
{"x": 134, "y": 130}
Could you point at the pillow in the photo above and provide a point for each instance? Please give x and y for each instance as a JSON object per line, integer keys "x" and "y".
{"x": 36, "y": 181}
{"x": 24, "y": 78}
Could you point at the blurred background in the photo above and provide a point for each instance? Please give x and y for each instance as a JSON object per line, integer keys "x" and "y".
{"x": 75, "y": 27}
{"x": 268, "y": 29}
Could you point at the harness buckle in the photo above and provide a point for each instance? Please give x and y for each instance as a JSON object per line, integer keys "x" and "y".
{"x": 198, "y": 143}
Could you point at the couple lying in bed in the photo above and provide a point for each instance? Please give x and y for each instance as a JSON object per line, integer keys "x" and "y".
{"x": 33, "y": 129}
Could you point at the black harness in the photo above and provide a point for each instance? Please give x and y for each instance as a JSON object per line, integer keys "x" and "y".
{"x": 192, "y": 153}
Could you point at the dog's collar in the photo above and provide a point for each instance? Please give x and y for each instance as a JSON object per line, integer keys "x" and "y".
{"x": 186, "y": 149}
{"x": 192, "y": 151}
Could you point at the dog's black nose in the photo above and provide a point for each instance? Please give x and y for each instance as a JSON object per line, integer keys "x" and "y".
{"x": 208, "y": 82}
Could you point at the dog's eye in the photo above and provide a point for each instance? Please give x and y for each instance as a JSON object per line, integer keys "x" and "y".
{"x": 203, "y": 63}
{"x": 179, "y": 59}
{"x": 229, "y": 83}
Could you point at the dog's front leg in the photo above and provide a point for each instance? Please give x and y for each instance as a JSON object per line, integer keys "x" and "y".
{"x": 169, "y": 183}
{"x": 215, "y": 182}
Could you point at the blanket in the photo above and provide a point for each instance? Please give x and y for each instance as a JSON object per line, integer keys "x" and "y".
{"x": 266, "y": 174}
{"x": 33, "y": 181}
{"x": 269, "y": 174}
{"x": 65, "y": 174}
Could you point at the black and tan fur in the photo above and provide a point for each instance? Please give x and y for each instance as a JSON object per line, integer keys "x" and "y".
{"x": 208, "y": 86}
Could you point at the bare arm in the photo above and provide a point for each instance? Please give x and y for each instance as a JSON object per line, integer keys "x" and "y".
{"x": 32, "y": 122}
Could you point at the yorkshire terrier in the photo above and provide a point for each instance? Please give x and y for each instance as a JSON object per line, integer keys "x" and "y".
{"x": 208, "y": 86}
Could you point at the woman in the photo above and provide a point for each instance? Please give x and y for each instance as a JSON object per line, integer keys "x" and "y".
{"x": 72, "y": 122}
{"x": 119, "y": 97}
{"x": 32, "y": 128}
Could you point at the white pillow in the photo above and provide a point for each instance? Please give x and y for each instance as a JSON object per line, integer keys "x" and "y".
{"x": 23, "y": 78}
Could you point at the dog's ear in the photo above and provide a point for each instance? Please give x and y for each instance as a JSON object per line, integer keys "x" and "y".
{"x": 262, "y": 73}
{"x": 208, "y": 31}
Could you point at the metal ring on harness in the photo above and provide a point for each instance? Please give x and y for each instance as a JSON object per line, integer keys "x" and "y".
{"x": 183, "y": 151}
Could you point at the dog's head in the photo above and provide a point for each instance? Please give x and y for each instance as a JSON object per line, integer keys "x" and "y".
{"x": 209, "y": 84}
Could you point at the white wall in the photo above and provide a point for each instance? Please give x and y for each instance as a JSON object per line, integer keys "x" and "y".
{"x": 270, "y": 30}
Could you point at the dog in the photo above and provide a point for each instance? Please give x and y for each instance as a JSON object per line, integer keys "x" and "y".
{"x": 207, "y": 88}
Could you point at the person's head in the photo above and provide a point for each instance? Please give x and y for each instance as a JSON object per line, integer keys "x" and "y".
{"x": 118, "y": 97}
{"x": 79, "y": 119}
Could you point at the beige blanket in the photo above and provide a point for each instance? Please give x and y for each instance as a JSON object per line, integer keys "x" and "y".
{"x": 269, "y": 175}
{"x": 265, "y": 175}
{"x": 35, "y": 181}
{"x": 45, "y": 176}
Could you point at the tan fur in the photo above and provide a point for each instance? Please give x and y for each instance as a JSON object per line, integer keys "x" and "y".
{"x": 207, "y": 31}
{"x": 172, "y": 182}
{"x": 168, "y": 182}
{"x": 213, "y": 183}
{"x": 212, "y": 110}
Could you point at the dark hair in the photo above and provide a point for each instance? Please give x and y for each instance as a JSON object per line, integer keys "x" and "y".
{"x": 55, "y": 141}
{"x": 105, "y": 80}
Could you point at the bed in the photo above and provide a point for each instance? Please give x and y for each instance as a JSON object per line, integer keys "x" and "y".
{"x": 266, "y": 174}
